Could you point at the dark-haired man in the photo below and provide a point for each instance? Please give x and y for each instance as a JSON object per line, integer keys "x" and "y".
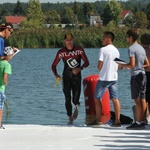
{"x": 137, "y": 62}
{"x": 108, "y": 77}
{"x": 6, "y": 30}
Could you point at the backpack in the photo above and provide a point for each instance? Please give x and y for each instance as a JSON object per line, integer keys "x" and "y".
{"x": 123, "y": 119}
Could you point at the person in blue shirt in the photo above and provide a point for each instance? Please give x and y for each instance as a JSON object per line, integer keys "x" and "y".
{"x": 6, "y": 30}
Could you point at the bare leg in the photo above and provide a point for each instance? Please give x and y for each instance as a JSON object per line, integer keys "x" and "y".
{"x": 98, "y": 108}
{"x": 147, "y": 110}
{"x": 134, "y": 112}
{"x": 116, "y": 104}
{"x": 148, "y": 113}
{"x": 139, "y": 109}
{"x": 1, "y": 114}
{"x": 144, "y": 109}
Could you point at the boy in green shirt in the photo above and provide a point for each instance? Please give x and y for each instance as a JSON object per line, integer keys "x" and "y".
{"x": 5, "y": 69}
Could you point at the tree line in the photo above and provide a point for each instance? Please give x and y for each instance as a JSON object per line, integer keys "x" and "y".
{"x": 69, "y": 13}
{"x": 33, "y": 34}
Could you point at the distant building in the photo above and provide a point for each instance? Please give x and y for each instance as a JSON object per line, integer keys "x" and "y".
{"x": 15, "y": 20}
{"x": 95, "y": 20}
{"x": 126, "y": 13}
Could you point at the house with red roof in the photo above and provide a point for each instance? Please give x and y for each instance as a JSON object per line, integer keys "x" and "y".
{"x": 126, "y": 13}
{"x": 15, "y": 20}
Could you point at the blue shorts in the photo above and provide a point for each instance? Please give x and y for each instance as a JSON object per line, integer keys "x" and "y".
{"x": 2, "y": 99}
{"x": 102, "y": 86}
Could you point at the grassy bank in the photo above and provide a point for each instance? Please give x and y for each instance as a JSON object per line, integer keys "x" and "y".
{"x": 53, "y": 38}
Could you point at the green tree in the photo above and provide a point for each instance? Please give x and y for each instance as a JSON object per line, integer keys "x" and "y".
{"x": 147, "y": 11}
{"x": 112, "y": 11}
{"x": 75, "y": 9}
{"x": 18, "y": 9}
{"x": 78, "y": 11}
{"x": 35, "y": 17}
{"x": 87, "y": 9}
{"x": 3, "y": 12}
{"x": 128, "y": 22}
{"x": 140, "y": 20}
{"x": 68, "y": 16}
{"x": 52, "y": 17}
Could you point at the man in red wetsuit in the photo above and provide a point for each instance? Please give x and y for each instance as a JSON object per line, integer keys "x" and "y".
{"x": 71, "y": 78}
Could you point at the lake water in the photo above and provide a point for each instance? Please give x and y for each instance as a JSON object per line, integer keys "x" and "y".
{"x": 33, "y": 97}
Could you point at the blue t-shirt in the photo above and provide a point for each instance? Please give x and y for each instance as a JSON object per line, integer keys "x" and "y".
{"x": 1, "y": 45}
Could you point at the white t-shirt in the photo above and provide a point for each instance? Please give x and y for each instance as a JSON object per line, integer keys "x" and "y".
{"x": 109, "y": 69}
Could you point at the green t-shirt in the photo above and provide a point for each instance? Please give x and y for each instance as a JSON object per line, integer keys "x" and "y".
{"x": 5, "y": 67}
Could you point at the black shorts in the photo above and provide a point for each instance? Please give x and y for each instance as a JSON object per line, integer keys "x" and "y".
{"x": 138, "y": 86}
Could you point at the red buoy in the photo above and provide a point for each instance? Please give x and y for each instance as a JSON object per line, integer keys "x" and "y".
{"x": 89, "y": 85}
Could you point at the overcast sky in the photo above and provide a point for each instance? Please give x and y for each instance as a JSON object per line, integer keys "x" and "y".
{"x": 50, "y": 1}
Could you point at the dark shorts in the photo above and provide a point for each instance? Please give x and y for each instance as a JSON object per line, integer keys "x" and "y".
{"x": 148, "y": 88}
{"x": 138, "y": 86}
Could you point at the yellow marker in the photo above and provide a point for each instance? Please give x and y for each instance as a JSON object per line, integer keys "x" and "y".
{"x": 57, "y": 81}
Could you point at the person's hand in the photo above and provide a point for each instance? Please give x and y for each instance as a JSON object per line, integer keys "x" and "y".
{"x": 58, "y": 78}
{"x": 119, "y": 66}
{"x": 15, "y": 49}
{"x": 75, "y": 71}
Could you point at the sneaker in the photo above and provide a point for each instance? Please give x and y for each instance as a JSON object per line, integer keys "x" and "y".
{"x": 95, "y": 123}
{"x": 136, "y": 126}
{"x": 143, "y": 124}
{"x": 2, "y": 127}
{"x": 75, "y": 114}
{"x": 116, "y": 124}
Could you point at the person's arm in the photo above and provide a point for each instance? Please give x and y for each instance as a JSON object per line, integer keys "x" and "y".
{"x": 146, "y": 63}
{"x": 5, "y": 79}
{"x": 85, "y": 60}
{"x": 54, "y": 64}
{"x": 119, "y": 67}
{"x": 100, "y": 64}
{"x": 85, "y": 64}
{"x": 129, "y": 65}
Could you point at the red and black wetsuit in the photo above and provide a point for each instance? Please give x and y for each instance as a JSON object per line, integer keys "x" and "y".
{"x": 72, "y": 59}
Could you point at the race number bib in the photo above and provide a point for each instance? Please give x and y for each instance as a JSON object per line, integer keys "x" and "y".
{"x": 72, "y": 63}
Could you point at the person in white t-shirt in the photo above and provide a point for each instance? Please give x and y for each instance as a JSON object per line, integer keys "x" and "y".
{"x": 108, "y": 77}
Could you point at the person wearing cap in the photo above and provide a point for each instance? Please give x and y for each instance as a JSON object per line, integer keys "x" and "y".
{"x": 6, "y": 30}
{"x": 71, "y": 77}
{"x": 5, "y": 69}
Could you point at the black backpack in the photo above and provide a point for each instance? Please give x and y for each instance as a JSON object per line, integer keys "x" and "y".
{"x": 123, "y": 119}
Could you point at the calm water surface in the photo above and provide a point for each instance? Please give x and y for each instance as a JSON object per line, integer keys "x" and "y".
{"x": 33, "y": 97}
